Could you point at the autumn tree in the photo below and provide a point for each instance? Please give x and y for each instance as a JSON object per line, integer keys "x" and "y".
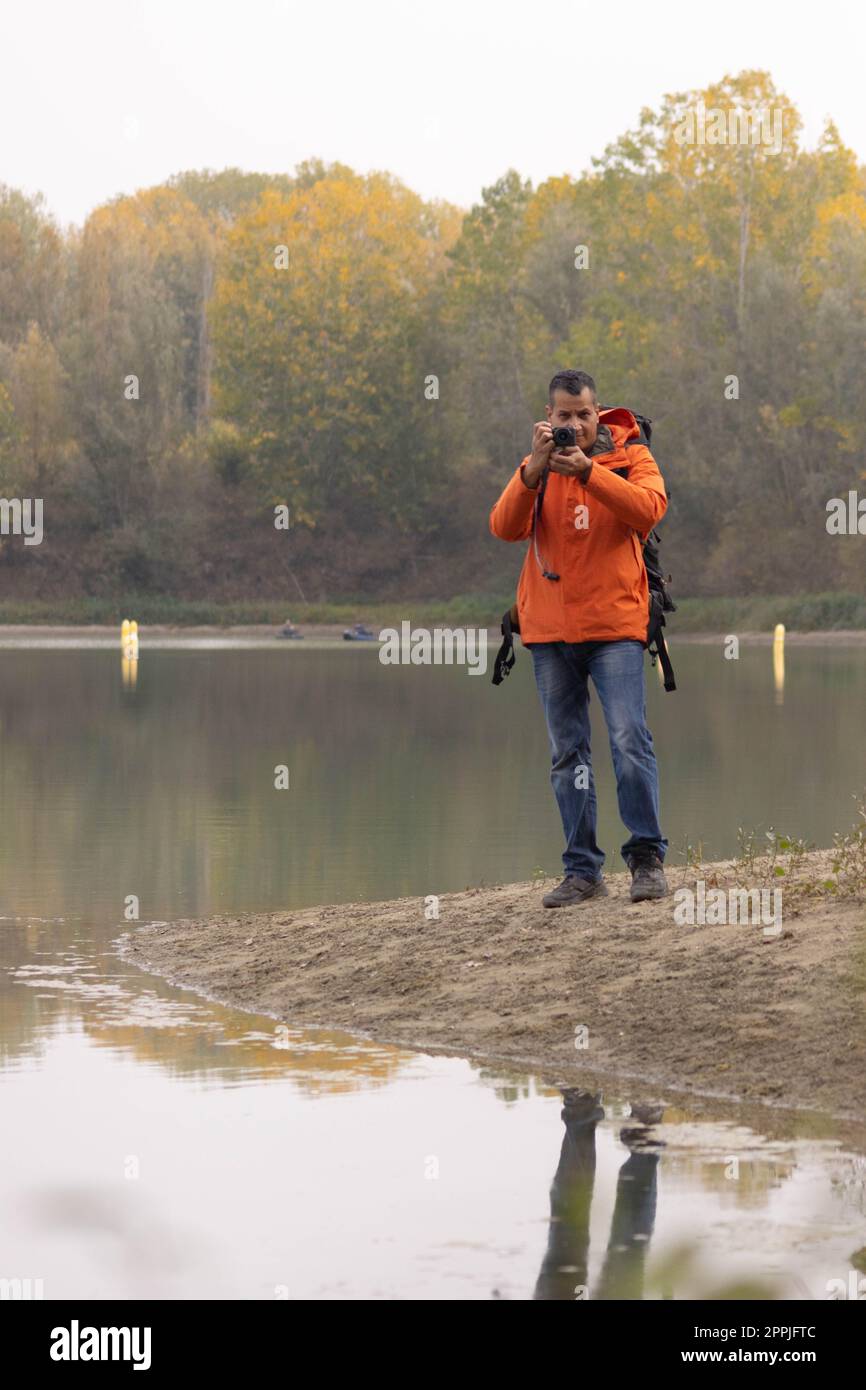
{"x": 322, "y": 360}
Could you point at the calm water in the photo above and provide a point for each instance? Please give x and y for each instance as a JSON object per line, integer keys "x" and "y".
{"x": 156, "y": 1145}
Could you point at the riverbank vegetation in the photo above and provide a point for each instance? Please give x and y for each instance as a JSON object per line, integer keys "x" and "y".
{"x": 799, "y": 612}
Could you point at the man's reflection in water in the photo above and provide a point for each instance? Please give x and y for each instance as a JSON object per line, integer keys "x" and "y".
{"x": 565, "y": 1265}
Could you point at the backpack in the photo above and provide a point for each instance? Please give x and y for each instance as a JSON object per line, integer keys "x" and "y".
{"x": 660, "y": 601}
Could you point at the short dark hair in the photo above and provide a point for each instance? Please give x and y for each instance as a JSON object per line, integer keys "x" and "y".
{"x": 571, "y": 381}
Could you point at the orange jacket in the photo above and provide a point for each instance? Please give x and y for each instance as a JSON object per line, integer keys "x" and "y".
{"x": 602, "y": 590}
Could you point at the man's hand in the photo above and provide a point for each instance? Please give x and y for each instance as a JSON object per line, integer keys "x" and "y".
{"x": 573, "y": 463}
{"x": 542, "y": 446}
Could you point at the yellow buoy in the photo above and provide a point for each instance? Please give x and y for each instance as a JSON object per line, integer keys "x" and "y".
{"x": 779, "y": 662}
{"x": 129, "y": 639}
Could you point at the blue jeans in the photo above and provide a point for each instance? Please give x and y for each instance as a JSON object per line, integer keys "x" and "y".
{"x": 562, "y": 671}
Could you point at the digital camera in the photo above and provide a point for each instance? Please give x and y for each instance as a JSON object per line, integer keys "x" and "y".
{"x": 564, "y": 437}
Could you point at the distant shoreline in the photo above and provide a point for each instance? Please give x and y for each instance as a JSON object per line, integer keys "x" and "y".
{"x": 66, "y": 632}
{"x": 753, "y": 617}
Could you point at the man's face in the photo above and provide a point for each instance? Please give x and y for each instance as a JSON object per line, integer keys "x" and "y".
{"x": 581, "y": 412}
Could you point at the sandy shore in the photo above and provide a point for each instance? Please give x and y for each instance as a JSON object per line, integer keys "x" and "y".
{"x": 715, "y": 1011}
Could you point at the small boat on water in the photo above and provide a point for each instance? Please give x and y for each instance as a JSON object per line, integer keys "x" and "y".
{"x": 289, "y": 631}
{"x": 359, "y": 633}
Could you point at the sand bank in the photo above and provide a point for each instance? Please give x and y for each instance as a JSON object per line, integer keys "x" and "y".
{"x": 713, "y": 1010}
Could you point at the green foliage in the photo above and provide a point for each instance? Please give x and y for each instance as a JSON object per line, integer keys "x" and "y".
{"x": 773, "y": 859}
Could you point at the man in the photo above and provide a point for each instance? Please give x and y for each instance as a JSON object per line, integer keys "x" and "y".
{"x": 582, "y": 602}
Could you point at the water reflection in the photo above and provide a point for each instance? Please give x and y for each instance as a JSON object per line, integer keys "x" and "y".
{"x": 564, "y": 1271}
{"x": 804, "y": 1247}
{"x": 119, "y": 1008}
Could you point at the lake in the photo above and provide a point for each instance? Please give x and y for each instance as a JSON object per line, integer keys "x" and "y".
{"x": 160, "y": 1145}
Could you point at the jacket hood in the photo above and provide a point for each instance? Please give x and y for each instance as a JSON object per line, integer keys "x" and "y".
{"x": 621, "y": 423}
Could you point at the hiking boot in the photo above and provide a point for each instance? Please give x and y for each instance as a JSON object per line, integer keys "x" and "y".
{"x": 647, "y": 878}
{"x": 640, "y": 1137}
{"x": 581, "y": 1107}
{"x": 574, "y": 889}
{"x": 647, "y": 1112}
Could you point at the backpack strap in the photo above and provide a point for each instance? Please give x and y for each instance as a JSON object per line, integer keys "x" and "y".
{"x": 655, "y": 640}
{"x": 505, "y": 657}
{"x": 665, "y": 659}
{"x": 659, "y": 601}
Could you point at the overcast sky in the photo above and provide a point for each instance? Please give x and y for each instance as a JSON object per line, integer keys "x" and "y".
{"x": 102, "y": 97}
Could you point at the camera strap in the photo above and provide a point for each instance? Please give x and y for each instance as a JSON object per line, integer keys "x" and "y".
{"x": 536, "y": 513}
